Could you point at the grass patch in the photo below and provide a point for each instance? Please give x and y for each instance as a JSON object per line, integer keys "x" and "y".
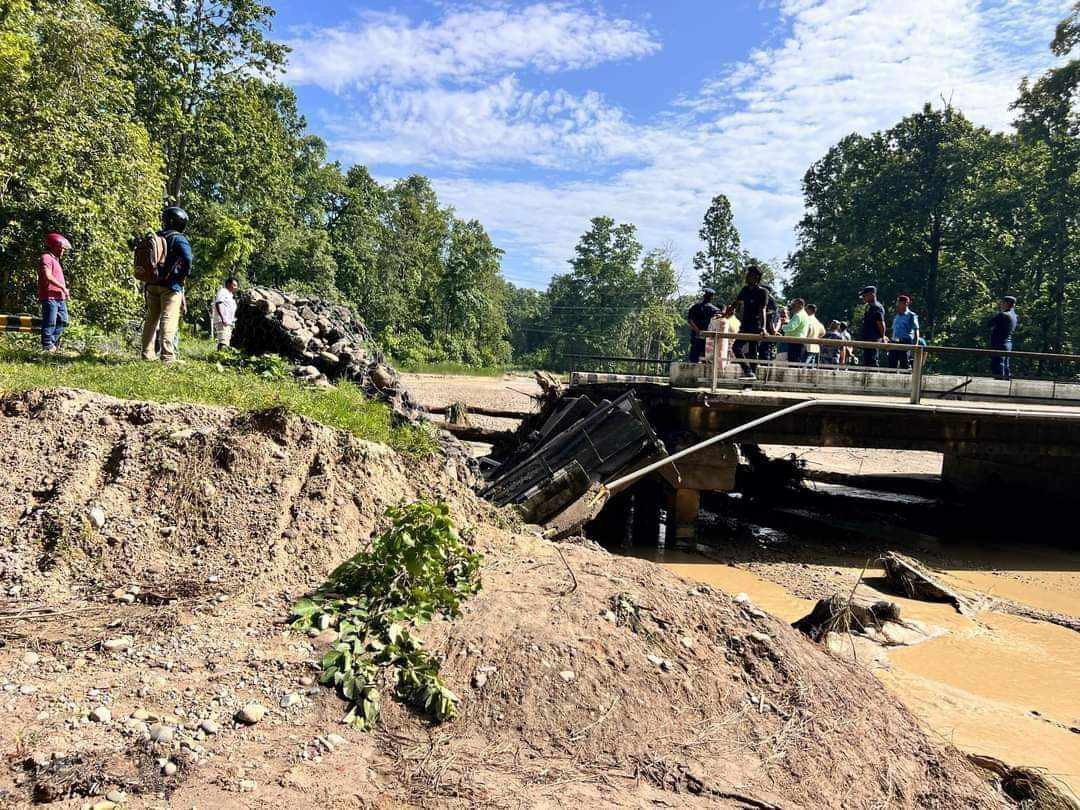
{"x": 117, "y": 371}
{"x": 454, "y": 369}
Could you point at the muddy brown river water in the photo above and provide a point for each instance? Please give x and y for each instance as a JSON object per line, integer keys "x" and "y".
{"x": 991, "y": 684}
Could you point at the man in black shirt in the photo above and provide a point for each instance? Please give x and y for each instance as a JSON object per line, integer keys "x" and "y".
{"x": 698, "y": 320}
{"x": 750, "y": 308}
{"x": 873, "y": 325}
{"x": 1002, "y": 326}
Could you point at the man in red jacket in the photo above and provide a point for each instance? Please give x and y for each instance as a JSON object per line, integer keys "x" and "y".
{"x": 53, "y": 292}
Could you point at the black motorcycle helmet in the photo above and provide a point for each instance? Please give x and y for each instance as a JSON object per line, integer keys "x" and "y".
{"x": 174, "y": 218}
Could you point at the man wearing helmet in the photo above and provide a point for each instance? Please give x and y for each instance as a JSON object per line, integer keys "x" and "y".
{"x": 164, "y": 298}
{"x": 53, "y": 292}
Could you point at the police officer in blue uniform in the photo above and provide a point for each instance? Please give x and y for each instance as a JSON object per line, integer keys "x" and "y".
{"x": 1002, "y": 327}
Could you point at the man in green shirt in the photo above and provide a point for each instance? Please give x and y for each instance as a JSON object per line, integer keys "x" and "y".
{"x": 797, "y": 326}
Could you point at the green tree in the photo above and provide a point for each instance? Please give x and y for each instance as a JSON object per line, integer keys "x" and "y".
{"x": 1049, "y": 125}
{"x": 895, "y": 209}
{"x": 182, "y": 52}
{"x": 468, "y": 309}
{"x": 719, "y": 265}
{"x": 72, "y": 156}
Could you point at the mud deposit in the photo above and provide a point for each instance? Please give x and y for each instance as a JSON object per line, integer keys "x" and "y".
{"x": 151, "y": 557}
{"x": 992, "y": 683}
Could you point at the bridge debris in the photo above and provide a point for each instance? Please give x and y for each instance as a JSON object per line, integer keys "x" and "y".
{"x": 916, "y": 581}
{"x": 578, "y": 446}
{"x": 840, "y": 614}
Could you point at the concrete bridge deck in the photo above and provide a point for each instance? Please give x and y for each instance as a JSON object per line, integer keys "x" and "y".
{"x": 988, "y": 448}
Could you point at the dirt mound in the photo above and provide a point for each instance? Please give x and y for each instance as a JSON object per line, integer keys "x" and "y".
{"x": 584, "y": 679}
{"x": 108, "y": 491}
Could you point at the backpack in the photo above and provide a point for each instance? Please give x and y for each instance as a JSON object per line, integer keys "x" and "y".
{"x": 150, "y": 253}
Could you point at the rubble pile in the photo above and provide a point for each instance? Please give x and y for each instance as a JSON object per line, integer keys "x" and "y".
{"x": 327, "y": 341}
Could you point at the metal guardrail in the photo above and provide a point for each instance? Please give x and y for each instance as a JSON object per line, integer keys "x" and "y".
{"x": 603, "y": 358}
{"x": 918, "y": 353}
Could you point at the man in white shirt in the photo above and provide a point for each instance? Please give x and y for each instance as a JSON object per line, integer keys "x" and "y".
{"x": 223, "y": 312}
{"x": 815, "y": 329}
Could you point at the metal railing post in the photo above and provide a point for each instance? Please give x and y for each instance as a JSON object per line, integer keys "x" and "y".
{"x": 715, "y": 362}
{"x": 917, "y": 358}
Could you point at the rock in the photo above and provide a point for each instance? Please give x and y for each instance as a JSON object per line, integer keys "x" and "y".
{"x": 30, "y": 658}
{"x": 97, "y": 517}
{"x": 101, "y": 715}
{"x": 291, "y": 323}
{"x": 247, "y": 785}
{"x": 27, "y": 689}
{"x": 119, "y": 594}
{"x": 140, "y": 714}
{"x": 382, "y": 376}
{"x": 160, "y": 733}
{"x": 121, "y": 644}
{"x": 741, "y": 599}
{"x": 291, "y": 699}
{"x": 336, "y": 740}
{"x": 763, "y": 638}
{"x": 655, "y": 660}
{"x": 479, "y": 679}
{"x": 307, "y": 681}
{"x": 251, "y": 714}
{"x": 208, "y": 726}
{"x": 103, "y": 805}
{"x": 567, "y": 676}
{"x": 329, "y": 358}
{"x": 170, "y": 769}
{"x": 117, "y": 796}
{"x": 687, "y": 642}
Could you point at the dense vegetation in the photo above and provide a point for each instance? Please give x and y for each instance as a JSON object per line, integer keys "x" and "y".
{"x": 112, "y": 108}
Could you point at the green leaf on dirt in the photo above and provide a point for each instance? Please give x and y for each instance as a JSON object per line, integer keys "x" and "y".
{"x": 418, "y": 567}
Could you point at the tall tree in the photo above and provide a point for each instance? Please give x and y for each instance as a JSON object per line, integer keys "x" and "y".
{"x": 719, "y": 265}
{"x": 469, "y": 311}
{"x": 1049, "y": 123}
{"x": 181, "y": 53}
{"x": 72, "y": 156}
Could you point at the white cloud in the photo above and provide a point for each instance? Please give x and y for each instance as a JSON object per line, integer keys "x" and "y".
{"x": 499, "y": 123}
{"x": 750, "y": 132}
{"x": 465, "y": 45}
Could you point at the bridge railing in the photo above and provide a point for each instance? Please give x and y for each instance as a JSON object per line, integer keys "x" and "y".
{"x": 918, "y": 354}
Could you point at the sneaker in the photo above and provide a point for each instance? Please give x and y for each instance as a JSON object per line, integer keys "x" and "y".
{"x": 49, "y": 350}
{"x": 748, "y": 377}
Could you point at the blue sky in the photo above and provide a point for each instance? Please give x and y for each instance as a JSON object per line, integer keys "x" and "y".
{"x": 536, "y": 116}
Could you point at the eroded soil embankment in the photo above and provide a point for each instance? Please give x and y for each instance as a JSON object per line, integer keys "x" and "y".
{"x": 584, "y": 679}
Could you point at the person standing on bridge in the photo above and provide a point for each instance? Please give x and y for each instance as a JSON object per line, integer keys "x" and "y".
{"x": 873, "y": 325}
{"x": 750, "y": 308}
{"x": 905, "y": 329}
{"x": 53, "y": 293}
{"x": 798, "y": 326}
{"x": 1002, "y": 327}
{"x": 698, "y": 319}
{"x": 814, "y": 329}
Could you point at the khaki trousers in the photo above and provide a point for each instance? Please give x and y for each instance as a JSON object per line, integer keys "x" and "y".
{"x": 162, "y": 312}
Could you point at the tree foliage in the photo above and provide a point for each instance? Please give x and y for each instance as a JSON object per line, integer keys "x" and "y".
{"x": 73, "y": 156}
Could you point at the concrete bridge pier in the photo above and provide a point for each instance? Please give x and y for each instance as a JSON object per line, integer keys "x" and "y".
{"x": 711, "y": 470}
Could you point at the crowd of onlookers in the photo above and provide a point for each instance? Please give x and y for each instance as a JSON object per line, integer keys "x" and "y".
{"x": 755, "y": 311}
{"x": 163, "y": 263}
